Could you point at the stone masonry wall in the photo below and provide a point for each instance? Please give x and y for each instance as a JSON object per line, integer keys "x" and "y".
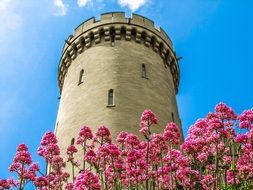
{"x": 116, "y": 66}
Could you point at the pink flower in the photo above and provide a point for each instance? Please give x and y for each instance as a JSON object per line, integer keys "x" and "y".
{"x": 108, "y": 150}
{"x": 171, "y": 133}
{"x": 145, "y": 131}
{"x": 41, "y": 182}
{"x": 225, "y": 112}
{"x": 122, "y": 137}
{"x": 87, "y": 180}
{"x": 187, "y": 177}
{"x": 241, "y": 138}
{"x": 227, "y": 159}
{"x": 21, "y": 158}
{"x": 70, "y": 152}
{"x": 84, "y": 135}
{"x": 207, "y": 182}
{"x": 147, "y": 119}
{"x": 202, "y": 157}
{"x": 4, "y": 184}
{"x": 132, "y": 141}
{"x": 231, "y": 178}
{"x": 51, "y": 152}
{"x": 246, "y": 119}
{"x": 91, "y": 157}
{"x": 48, "y": 147}
{"x": 215, "y": 124}
{"x": 22, "y": 165}
{"x": 69, "y": 186}
{"x": 103, "y": 135}
{"x": 133, "y": 156}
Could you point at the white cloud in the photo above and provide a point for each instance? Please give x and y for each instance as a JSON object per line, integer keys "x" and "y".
{"x": 82, "y": 3}
{"x": 62, "y": 8}
{"x": 132, "y": 4}
{"x": 9, "y": 18}
{"x": 3, "y": 4}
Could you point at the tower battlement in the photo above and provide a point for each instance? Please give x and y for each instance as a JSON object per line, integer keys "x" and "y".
{"x": 119, "y": 17}
{"x": 115, "y": 25}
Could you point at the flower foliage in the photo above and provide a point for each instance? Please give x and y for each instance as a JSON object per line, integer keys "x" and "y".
{"x": 216, "y": 154}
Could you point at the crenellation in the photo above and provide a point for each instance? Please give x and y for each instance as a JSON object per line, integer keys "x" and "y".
{"x": 88, "y": 24}
{"x": 119, "y": 17}
{"x": 137, "y": 19}
{"x": 106, "y": 17}
{"x": 78, "y": 31}
{"x": 148, "y": 23}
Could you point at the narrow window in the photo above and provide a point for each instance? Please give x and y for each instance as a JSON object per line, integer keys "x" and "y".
{"x": 143, "y": 71}
{"x": 112, "y": 34}
{"x": 81, "y": 77}
{"x": 110, "y": 97}
{"x": 172, "y": 117}
{"x": 113, "y": 40}
{"x": 72, "y": 141}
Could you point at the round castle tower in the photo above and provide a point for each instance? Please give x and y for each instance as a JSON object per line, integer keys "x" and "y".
{"x": 110, "y": 71}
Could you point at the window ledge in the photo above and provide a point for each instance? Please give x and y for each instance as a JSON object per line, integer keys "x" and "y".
{"x": 113, "y": 105}
{"x": 79, "y": 83}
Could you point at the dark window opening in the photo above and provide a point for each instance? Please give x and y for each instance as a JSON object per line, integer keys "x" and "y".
{"x": 91, "y": 37}
{"x": 152, "y": 42}
{"x": 112, "y": 34}
{"x": 172, "y": 117}
{"x": 160, "y": 49}
{"x": 123, "y": 33}
{"x": 143, "y": 71}
{"x": 81, "y": 77}
{"x": 110, "y": 97}
{"x": 133, "y": 34}
{"x": 143, "y": 37}
{"x": 72, "y": 141}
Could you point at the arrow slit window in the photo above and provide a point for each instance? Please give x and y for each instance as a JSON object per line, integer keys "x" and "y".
{"x": 81, "y": 77}
{"x": 143, "y": 71}
{"x": 110, "y": 97}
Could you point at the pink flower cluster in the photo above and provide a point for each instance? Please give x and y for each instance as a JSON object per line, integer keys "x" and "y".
{"x": 56, "y": 177}
{"x": 216, "y": 154}
{"x": 24, "y": 168}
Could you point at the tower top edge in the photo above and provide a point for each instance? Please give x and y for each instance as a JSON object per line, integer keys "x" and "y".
{"x": 118, "y": 17}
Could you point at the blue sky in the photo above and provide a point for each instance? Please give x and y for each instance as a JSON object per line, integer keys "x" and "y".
{"x": 214, "y": 37}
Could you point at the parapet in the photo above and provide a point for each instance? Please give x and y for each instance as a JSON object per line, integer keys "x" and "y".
{"x": 119, "y": 17}
{"x": 137, "y": 28}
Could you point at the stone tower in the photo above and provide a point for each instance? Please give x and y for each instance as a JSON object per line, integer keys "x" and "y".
{"x": 110, "y": 71}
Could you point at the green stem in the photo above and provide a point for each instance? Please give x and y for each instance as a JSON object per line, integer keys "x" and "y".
{"x": 147, "y": 164}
